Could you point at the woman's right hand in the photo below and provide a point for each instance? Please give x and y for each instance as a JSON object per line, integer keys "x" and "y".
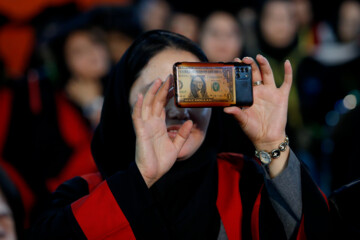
{"x": 156, "y": 153}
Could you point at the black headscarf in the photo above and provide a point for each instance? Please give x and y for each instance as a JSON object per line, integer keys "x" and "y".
{"x": 186, "y": 195}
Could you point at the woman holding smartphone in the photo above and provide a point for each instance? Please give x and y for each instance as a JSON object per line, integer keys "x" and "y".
{"x": 160, "y": 174}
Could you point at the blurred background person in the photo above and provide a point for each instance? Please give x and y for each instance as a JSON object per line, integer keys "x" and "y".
{"x": 11, "y": 210}
{"x": 305, "y": 20}
{"x": 83, "y": 59}
{"x": 221, "y": 39}
{"x": 184, "y": 23}
{"x": 278, "y": 41}
{"x": 153, "y": 14}
{"x": 50, "y": 115}
{"x": 45, "y": 127}
{"x": 329, "y": 92}
{"x": 348, "y": 32}
{"x": 348, "y": 25}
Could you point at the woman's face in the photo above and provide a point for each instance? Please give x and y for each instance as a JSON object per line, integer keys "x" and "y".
{"x": 85, "y": 57}
{"x": 349, "y": 21}
{"x": 160, "y": 66}
{"x": 7, "y": 224}
{"x": 186, "y": 25}
{"x": 220, "y": 38}
{"x": 278, "y": 24}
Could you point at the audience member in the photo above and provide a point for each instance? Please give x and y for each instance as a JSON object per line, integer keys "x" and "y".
{"x": 167, "y": 180}
{"x": 327, "y": 80}
{"x": 186, "y": 24}
{"x": 221, "y": 39}
{"x": 278, "y": 41}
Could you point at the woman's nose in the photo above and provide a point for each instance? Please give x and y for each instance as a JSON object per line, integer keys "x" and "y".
{"x": 173, "y": 112}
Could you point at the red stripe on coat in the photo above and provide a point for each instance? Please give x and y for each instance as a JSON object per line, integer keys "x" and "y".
{"x": 229, "y": 200}
{"x": 301, "y": 233}
{"x": 255, "y": 217}
{"x": 93, "y": 180}
{"x": 100, "y": 216}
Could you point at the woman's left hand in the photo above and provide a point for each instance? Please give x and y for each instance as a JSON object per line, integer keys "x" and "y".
{"x": 264, "y": 122}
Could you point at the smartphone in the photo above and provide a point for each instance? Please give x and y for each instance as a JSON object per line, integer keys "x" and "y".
{"x": 216, "y": 84}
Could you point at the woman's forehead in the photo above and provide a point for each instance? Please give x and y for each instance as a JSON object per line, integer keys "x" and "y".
{"x": 161, "y": 65}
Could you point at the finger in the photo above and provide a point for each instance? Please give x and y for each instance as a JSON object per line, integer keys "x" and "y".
{"x": 161, "y": 97}
{"x": 265, "y": 69}
{"x": 256, "y": 75}
{"x": 239, "y": 115}
{"x": 183, "y": 135}
{"x": 149, "y": 99}
{"x": 288, "y": 77}
{"x": 237, "y": 60}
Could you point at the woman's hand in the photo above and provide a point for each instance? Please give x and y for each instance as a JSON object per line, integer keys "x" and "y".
{"x": 156, "y": 153}
{"x": 264, "y": 122}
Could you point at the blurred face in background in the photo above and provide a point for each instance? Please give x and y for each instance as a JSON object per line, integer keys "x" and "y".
{"x": 7, "y": 224}
{"x": 278, "y": 24}
{"x": 349, "y": 21}
{"x": 220, "y": 37}
{"x": 153, "y": 14}
{"x": 185, "y": 24}
{"x": 86, "y": 56}
{"x": 303, "y": 12}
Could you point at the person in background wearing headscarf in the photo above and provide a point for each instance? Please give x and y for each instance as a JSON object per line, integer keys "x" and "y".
{"x": 46, "y": 128}
{"x": 278, "y": 41}
{"x": 222, "y": 39}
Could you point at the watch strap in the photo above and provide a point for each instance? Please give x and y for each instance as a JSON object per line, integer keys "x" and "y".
{"x": 265, "y": 157}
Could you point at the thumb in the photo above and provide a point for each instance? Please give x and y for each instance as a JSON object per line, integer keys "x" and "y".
{"x": 239, "y": 115}
{"x": 183, "y": 135}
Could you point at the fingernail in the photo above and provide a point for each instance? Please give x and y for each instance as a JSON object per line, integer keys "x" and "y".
{"x": 227, "y": 110}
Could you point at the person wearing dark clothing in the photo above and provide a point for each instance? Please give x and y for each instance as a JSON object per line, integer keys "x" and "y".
{"x": 344, "y": 202}
{"x": 44, "y": 141}
{"x": 277, "y": 38}
{"x": 161, "y": 176}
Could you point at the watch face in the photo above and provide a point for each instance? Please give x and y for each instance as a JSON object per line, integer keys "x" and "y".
{"x": 265, "y": 157}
